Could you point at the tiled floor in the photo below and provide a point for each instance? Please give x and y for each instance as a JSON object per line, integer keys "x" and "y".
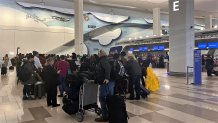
{"x": 175, "y": 102}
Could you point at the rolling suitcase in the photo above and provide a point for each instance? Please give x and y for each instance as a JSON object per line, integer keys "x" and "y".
{"x": 3, "y": 70}
{"x": 144, "y": 92}
{"x": 39, "y": 90}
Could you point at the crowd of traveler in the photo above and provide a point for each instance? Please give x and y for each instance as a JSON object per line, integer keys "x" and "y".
{"x": 115, "y": 73}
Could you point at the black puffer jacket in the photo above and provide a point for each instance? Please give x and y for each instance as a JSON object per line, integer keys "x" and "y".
{"x": 103, "y": 70}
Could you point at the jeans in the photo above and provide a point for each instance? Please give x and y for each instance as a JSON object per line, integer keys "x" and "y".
{"x": 26, "y": 90}
{"x": 62, "y": 86}
{"x": 134, "y": 85}
{"x": 104, "y": 91}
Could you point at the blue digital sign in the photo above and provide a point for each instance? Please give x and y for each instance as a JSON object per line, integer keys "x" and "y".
{"x": 145, "y": 49}
{"x": 202, "y": 45}
{"x": 162, "y": 48}
{"x": 131, "y": 49}
{"x": 213, "y": 45}
{"x": 155, "y": 48}
{"x": 140, "y": 49}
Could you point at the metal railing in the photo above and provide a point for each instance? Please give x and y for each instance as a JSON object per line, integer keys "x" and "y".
{"x": 187, "y": 73}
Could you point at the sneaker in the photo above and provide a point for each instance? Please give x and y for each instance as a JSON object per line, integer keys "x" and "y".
{"x": 61, "y": 95}
{"x": 56, "y": 105}
{"x": 101, "y": 119}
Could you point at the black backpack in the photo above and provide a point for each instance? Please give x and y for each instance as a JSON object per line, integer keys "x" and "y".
{"x": 23, "y": 73}
{"x": 117, "y": 109}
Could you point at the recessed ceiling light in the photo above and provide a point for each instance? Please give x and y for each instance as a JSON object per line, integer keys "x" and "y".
{"x": 130, "y": 38}
{"x": 215, "y": 26}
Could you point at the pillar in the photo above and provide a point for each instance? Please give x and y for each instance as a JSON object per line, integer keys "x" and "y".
{"x": 78, "y": 26}
{"x": 156, "y": 22}
{"x": 181, "y": 36}
{"x": 208, "y": 22}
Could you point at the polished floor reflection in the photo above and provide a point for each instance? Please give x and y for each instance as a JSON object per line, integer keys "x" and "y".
{"x": 175, "y": 102}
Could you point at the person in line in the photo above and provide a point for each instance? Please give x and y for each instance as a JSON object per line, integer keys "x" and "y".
{"x": 51, "y": 81}
{"x": 63, "y": 66}
{"x": 37, "y": 62}
{"x": 29, "y": 66}
{"x": 134, "y": 71}
{"x": 103, "y": 70}
{"x": 209, "y": 65}
{"x": 6, "y": 60}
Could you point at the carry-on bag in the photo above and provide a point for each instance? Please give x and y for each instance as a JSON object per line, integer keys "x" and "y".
{"x": 11, "y": 68}
{"x": 39, "y": 90}
{"x": 3, "y": 70}
{"x": 117, "y": 109}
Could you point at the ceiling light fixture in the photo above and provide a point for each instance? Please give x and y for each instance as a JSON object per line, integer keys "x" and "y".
{"x": 215, "y": 26}
{"x": 115, "y": 5}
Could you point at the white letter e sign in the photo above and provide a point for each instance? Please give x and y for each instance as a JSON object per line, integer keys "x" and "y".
{"x": 176, "y": 6}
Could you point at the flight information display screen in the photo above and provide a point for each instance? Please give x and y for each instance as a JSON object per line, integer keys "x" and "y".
{"x": 145, "y": 49}
{"x": 213, "y": 45}
{"x": 162, "y": 48}
{"x": 202, "y": 45}
{"x": 155, "y": 48}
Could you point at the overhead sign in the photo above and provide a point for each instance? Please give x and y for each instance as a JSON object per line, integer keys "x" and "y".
{"x": 213, "y": 45}
{"x": 176, "y": 6}
{"x": 202, "y": 45}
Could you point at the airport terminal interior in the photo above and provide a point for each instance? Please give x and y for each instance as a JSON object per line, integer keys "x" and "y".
{"x": 116, "y": 61}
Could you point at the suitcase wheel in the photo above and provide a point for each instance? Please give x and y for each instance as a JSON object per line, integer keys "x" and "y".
{"x": 80, "y": 116}
{"x": 98, "y": 111}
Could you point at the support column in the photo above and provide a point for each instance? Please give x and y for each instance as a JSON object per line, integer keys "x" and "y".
{"x": 181, "y": 36}
{"x": 156, "y": 22}
{"x": 208, "y": 22}
{"x": 78, "y": 26}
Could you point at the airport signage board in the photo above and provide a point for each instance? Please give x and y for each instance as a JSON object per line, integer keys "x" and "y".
{"x": 213, "y": 45}
{"x": 155, "y": 48}
{"x": 140, "y": 49}
{"x": 131, "y": 49}
{"x": 161, "y": 48}
{"x": 176, "y": 6}
{"x": 197, "y": 67}
{"x": 202, "y": 45}
{"x": 145, "y": 49}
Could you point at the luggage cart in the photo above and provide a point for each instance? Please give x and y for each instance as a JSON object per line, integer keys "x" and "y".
{"x": 88, "y": 96}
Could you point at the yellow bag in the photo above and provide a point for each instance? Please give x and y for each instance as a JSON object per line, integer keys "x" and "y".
{"x": 152, "y": 82}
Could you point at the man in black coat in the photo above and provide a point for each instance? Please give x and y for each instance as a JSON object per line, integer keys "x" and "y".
{"x": 106, "y": 85}
{"x": 51, "y": 80}
{"x": 209, "y": 65}
{"x": 134, "y": 71}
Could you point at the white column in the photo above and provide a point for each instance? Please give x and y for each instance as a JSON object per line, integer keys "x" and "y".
{"x": 181, "y": 36}
{"x": 156, "y": 22}
{"x": 208, "y": 22}
{"x": 78, "y": 26}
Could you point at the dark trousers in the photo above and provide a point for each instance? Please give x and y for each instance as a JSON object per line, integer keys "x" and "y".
{"x": 26, "y": 90}
{"x": 143, "y": 80}
{"x": 209, "y": 72}
{"x": 52, "y": 95}
{"x": 134, "y": 85}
